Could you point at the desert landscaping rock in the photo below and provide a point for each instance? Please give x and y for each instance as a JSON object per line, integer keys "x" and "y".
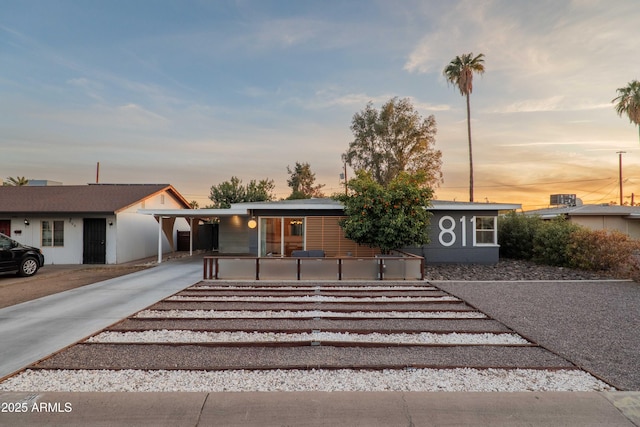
{"x": 295, "y": 325}
{"x": 269, "y": 314}
{"x": 508, "y": 269}
{"x": 314, "y": 298}
{"x": 448, "y": 380}
{"x": 185, "y": 336}
{"x": 313, "y": 306}
{"x": 318, "y": 336}
{"x": 234, "y": 356}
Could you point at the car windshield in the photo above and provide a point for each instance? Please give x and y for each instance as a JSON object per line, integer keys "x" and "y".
{"x": 7, "y": 243}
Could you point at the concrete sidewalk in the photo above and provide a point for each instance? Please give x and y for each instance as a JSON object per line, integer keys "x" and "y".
{"x": 322, "y": 409}
{"x": 35, "y": 329}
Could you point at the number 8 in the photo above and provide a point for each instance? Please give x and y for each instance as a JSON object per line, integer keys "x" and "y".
{"x": 449, "y": 230}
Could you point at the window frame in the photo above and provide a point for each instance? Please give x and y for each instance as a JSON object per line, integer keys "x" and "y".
{"x": 480, "y": 220}
{"x": 297, "y": 230}
{"x": 55, "y": 238}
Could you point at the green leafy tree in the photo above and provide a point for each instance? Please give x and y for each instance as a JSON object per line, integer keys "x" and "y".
{"x": 628, "y": 102}
{"x": 259, "y": 191}
{"x": 232, "y": 191}
{"x": 302, "y": 182}
{"x": 459, "y": 72}
{"x": 393, "y": 140}
{"x": 15, "y": 182}
{"x": 388, "y": 217}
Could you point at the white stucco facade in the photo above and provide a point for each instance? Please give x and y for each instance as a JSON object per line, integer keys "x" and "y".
{"x": 128, "y": 235}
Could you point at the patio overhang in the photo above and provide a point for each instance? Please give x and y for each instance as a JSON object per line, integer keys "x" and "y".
{"x": 166, "y": 227}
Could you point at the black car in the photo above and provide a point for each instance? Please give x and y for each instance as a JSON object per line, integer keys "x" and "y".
{"x": 15, "y": 256}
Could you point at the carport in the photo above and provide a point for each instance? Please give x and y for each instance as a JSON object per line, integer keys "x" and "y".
{"x": 166, "y": 219}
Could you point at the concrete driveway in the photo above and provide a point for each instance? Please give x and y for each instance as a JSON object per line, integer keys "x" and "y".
{"x": 32, "y": 330}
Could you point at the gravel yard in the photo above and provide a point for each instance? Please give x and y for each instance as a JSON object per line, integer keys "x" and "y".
{"x": 593, "y": 324}
{"x": 447, "y": 380}
{"x": 508, "y": 269}
{"x": 186, "y": 336}
{"x": 286, "y": 314}
{"x": 204, "y": 349}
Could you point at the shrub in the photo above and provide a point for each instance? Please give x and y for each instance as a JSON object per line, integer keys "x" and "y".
{"x": 516, "y": 233}
{"x": 603, "y": 250}
{"x": 551, "y": 241}
{"x": 561, "y": 243}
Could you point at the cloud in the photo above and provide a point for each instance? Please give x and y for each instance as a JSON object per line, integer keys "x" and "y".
{"x": 92, "y": 89}
{"x": 329, "y": 98}
{"x": 550, "y": 143}
{"x": 552, "y": 103}
{"x": 135, "y": 116}
{"x": 105, "y": 120}
{"x": 545, "y": 45}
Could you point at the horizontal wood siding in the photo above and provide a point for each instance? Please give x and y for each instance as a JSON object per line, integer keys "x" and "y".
{"x": 314, "y": 230}
{"x": 324, "y": 232}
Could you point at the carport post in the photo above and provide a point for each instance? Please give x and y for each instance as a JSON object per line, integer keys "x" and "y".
{"x": 190, "y": 236}
{"x": 159, "y": 239}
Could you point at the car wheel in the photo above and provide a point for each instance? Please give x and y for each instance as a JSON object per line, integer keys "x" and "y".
{"x": 28, "y": 267}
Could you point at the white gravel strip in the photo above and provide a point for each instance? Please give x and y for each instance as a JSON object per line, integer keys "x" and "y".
{"x": 310, "y": 298}
{"x": 186, "y": 336}
{"x": 269, "y": 314}
{"x": 313, "y": 288}
{"x": 463, "y": 379}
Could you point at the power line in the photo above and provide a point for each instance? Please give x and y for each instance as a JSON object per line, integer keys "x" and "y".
{"x": 527, "y": 184}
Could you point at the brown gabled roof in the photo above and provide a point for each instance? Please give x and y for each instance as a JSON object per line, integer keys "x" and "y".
{"x": 93, "y": 198}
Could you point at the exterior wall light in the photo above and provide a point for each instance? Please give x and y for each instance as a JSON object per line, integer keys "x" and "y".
{"x": 252, "y": 223}
{"x": 26, "y": 222}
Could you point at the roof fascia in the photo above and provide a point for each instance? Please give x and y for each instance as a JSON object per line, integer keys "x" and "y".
{"x": 169, "y": 189}
{"x": 474, "y": 207}
{"x": 195, "y": 213}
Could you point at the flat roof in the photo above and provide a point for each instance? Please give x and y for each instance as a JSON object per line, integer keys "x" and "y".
{"x": 192, "y": 213}
{"x": 313, "y": 204}
{"x": 443, "y": 205}
{"x": 632, "y": 212}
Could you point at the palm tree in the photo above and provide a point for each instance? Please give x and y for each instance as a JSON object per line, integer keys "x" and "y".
{"x": 17, "y": 181}
{"x": 459, "y": 72}
{"x": 628, "y": 102}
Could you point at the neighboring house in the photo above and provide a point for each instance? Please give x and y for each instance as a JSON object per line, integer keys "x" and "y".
{"x": 625, "y": 219}
{"x": 90, "y": 224}
{"x": 460, "y": 232}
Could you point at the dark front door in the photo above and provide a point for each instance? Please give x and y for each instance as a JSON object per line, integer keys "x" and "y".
{"x": 95, "y": 236}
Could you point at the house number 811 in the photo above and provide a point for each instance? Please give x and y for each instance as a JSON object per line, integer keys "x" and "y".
{"x": 447, "y": 224}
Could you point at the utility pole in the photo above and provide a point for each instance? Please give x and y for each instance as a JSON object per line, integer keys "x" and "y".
{"x": 620, "y": 153}
{"x": 344, "y": 176}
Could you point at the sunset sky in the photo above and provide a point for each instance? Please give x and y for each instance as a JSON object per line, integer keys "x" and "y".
{"x": 192, "y": 92}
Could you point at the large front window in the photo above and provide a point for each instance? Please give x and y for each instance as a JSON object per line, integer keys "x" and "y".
{"x": 281, "y": 235}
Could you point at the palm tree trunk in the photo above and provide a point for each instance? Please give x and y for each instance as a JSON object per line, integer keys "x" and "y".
{"x": 470, "y": 151}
